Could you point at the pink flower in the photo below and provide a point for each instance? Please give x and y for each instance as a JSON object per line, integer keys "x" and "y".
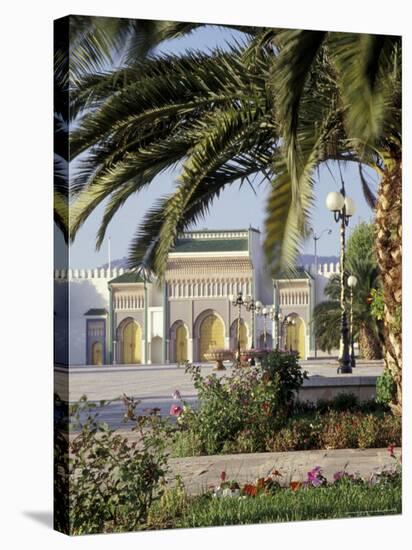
{"x": 175, "y": 410}
{"x": 176, "y": 395}
{"x": 315, "y": 477}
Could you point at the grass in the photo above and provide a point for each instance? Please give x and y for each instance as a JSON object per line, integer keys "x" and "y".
{"x": 342, "y": 500}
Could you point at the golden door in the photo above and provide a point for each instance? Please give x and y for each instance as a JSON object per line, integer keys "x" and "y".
{"x": 97, "y": 353}
{"x": 295, "y": 337}
{"x": 132, "y": 343}
{"x": 211, "y": 335}
{"x": 181, "y": 344}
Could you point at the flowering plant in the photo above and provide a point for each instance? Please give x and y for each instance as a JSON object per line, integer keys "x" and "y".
{"x": 252, "y": 400}
{"x": 315, "y": 477}
{"x": 263, "y": 485}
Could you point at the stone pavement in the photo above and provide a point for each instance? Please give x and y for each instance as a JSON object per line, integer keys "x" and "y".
{"x": 199, "y": 473}
{"x": 155, "y": 384}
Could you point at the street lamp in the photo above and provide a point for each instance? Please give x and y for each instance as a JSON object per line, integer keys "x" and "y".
{"x": 276, "y": 316}
{"x": 239, "y": 302}
{"x": 315, "y": 243}
{"x": 352, "y": 282}
{"x": 254, "y": 307}
{"x": 264, "y": 311}
{"x": 289, "y": 321}
{"x": 343, "y": 208}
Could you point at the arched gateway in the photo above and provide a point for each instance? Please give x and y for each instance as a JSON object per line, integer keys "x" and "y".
{"x": 211, "y": 335}
{"x": 132, "y": 343}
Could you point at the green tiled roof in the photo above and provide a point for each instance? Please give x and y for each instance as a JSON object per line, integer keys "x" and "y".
{"x": 298, "y": 273}
{"x": 96, "y": 311}
{"x": 211, "y": 245}
{"x": 128, "y": 277}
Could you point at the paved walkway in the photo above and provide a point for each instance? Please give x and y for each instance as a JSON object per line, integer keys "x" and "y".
{"x": 153, "y": 381}
{"x": 155, "y": 384}
{"x": 199, "y": 473}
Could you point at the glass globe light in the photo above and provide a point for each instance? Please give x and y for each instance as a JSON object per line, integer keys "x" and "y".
{"x": 352, "y": 281}
{"x": 265, "y": 311}
{"x": 350, "y": 206}
{"x": 335, "y": 201}
{"x": 258, "y": 304}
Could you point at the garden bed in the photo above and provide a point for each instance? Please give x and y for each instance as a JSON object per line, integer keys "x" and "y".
{"x": 346, "y": 496}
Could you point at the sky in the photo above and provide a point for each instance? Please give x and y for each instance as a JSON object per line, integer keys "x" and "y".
{"x": 237, "y": 207}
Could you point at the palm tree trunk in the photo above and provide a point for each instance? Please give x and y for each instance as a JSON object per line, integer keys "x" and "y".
{"x": 369, "y": 345}
{"x": 388, "y": 228}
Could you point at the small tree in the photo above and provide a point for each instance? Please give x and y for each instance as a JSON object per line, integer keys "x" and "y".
{"x": 361, "y": 262}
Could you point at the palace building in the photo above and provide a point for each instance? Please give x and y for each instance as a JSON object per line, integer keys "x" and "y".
{"x": 116, "y": 316}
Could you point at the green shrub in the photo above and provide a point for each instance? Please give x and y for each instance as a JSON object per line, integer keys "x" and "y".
{"x": 187, "y": 443}
{"x": 298, "y": 435}
{"x": 239, "y": 410}
{"x": 286, "y": 377}
{"x": 337, "y": 430}
{"x": 112, "y": 482}
{"x": 385, "y": 388}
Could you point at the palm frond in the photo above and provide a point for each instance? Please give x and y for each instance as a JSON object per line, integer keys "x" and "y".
{"x": 222, "y": 133}
{"x": 370, "y": 197}
{"x": 165, "y": 87}
{"x": 297, "y": 53}
{"x": 364, "y": 63}
{"x": 215, "y": 161}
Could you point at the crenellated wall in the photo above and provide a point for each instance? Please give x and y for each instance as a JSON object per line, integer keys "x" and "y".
{"x": 89, "y": 273}
{"x": 327, "y": 269}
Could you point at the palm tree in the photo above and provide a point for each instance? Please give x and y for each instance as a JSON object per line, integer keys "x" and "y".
{"x": 327, "y": 315}
{"x": 275, "y": 106}
{"x": 367, "y": 70}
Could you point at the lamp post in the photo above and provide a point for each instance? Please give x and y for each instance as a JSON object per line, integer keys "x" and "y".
{"x": 352, "y": 282}
{"x": 315, "y": 246}
{"x": 343, "y": 208}
{"x": 276, "y": 316}
{"x": 265, "y": 312}
{"x": 238, "y": 302}
{"x": 254, "y": 307}
{"x": 290, "y": 322}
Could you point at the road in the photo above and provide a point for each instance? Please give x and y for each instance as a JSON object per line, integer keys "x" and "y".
{"x": 154, "y": 385}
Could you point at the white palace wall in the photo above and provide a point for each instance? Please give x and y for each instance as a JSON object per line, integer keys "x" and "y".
{"x": 82, "y": 290}
{"x": 86, "y": 289}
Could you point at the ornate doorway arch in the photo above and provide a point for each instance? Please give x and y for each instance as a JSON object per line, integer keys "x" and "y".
{"x": 211, "y": 335}
{"x": 296, "y": 336}
{"x": 97, "y": 353}
{"x": 181, "y": 344}
{"x": 131, "y": 343}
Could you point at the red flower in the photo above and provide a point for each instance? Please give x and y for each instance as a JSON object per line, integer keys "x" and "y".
{"x": 222, "y": 476}
{"x": 175, "y": 410}
{"x": 295, "y": 485}
{"x": 391, "y": 448}
{"x": 249, "y": 490}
